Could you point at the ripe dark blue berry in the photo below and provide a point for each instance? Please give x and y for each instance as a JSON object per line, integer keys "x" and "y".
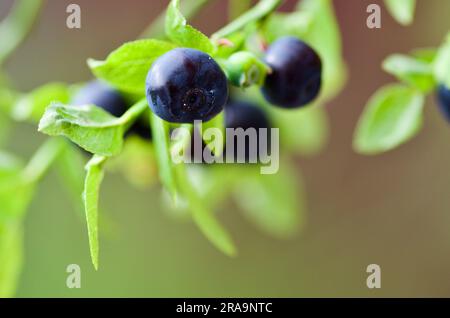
{"x": 296, "y": 75}
{"x": 103, "y": 96}
{"x": 241, "y": 114}
{"x": 444, "y": 100}
{"x": 245, "y": 115}
{"x": 185, "y": 85}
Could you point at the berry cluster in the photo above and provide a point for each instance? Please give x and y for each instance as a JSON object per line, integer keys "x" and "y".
{"x": 186, "y": 85}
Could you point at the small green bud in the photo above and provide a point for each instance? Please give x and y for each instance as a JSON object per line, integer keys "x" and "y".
{"x": 245, "y": 69}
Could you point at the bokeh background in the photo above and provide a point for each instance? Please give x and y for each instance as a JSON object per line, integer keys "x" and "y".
{"x": 392, "y": 210}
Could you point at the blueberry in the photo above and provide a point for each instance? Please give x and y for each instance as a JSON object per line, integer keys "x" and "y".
{"x": 185, "y": 85}
{"x": 245, "y": 115}
{"x": 104, "y": 96}
{"x": 444, "y": 100}
{"x": 296, "y": 75}
{"x": 238, "y": 114}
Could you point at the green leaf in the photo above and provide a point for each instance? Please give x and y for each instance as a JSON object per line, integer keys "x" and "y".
{"x": 274, "y": 203}
{"x": 126, "y": 68}
{"x": 183, "y": 34}
{"x": 411, "y": 71}
{"x": 11, "y": 257}
{"x": 392, "y": 116}
{"x": 304, "y": 131}
{"x": 203, "y": 216}
{"x": 402, "y": 10}
{"x": 189, "y": 8}
{"x": 32, "y": 105}
{"x": 442, "y": 63}
{"x": 160, "y": 133}
{"x": 92, "y": 184}
{"x": 89, "y": 126}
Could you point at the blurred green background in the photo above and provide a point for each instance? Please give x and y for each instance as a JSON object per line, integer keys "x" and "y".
{"x": 392, "y": 210}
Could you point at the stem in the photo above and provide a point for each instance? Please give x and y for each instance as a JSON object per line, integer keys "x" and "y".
{"x": 260, "y": 11}
{"x": 133, "y": 113}
{"x": 15, "y": 27}
{"x": 189, "y": 8}
{"x": 43, "y": 159}
{"x": 237, "y": 7}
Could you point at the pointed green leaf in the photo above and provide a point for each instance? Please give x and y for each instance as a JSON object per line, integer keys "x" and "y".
{"x": 92, "y": 184}
{"x": 411, "y": 71}
{"x": 189, "y": 8}
{"x": 89, "y": 126}
{"x": 126, "y": 68}
{"x": 392, "y": 117}
{"x": 182, "y": 33}
{"x": 402, "y": 10}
